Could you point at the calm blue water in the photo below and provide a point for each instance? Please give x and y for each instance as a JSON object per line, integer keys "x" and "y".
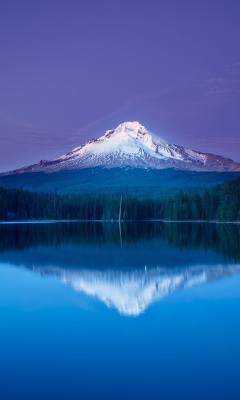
{"x": 88, "y": 312}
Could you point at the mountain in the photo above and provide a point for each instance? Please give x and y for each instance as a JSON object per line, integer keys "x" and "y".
{"x": 129, "y": 160}
{"x": 132, "y": 145}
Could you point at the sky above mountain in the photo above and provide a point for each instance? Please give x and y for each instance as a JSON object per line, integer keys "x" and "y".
{"x": 70, "y": 70}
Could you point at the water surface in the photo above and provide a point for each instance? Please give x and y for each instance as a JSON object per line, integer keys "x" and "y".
{"x": 98, "y": 311}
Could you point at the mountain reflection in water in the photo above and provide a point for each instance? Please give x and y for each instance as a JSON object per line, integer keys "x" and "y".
{"x": 127, "y": 267}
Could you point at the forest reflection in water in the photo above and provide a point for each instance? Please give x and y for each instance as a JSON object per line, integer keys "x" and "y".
{"x": 126, "y": 266}
{"x": 220, "y": 238}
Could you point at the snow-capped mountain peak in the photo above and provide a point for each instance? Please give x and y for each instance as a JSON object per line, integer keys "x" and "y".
{"x": 130, "y": 144}
{"x": 129, "y": 127}
{"x": 127, "y": 138}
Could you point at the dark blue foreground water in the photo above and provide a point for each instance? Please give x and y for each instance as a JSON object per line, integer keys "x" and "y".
{"x": 147, "y": 311}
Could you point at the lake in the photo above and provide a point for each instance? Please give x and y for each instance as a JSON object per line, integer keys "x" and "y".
{"x": 109, "y": 311}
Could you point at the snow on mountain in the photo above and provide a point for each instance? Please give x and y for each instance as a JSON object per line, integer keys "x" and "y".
{"x": 131, "y": 292}
{"x": 132, "y": 145}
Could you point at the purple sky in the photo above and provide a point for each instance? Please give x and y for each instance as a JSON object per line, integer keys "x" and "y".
{"x": 69, "y": 70}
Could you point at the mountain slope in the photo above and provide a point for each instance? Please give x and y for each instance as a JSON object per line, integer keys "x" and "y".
{"x": 132, "y": 145}
{"x": 137, "y": 182}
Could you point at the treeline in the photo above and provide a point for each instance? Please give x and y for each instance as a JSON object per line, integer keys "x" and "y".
{"x": 219, "y": 203}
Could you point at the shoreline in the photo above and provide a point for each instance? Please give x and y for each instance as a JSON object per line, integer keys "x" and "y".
{"x": 50, "y": 221}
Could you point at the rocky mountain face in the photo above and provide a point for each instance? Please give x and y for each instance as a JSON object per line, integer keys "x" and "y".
{"x": 132, "y": 145}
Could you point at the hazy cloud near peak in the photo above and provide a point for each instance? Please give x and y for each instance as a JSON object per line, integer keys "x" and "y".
{"x": 131, "y": 101}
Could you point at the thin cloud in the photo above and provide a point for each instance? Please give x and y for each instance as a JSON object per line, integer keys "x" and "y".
{"x": 225, "y": 84}
{"x": 221, "y": 86}
{"x": 233, "y": 68}
{"x": 219, "y": 91}
{"x": 32, "y": 134}
{"x": 224, "y": 81}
